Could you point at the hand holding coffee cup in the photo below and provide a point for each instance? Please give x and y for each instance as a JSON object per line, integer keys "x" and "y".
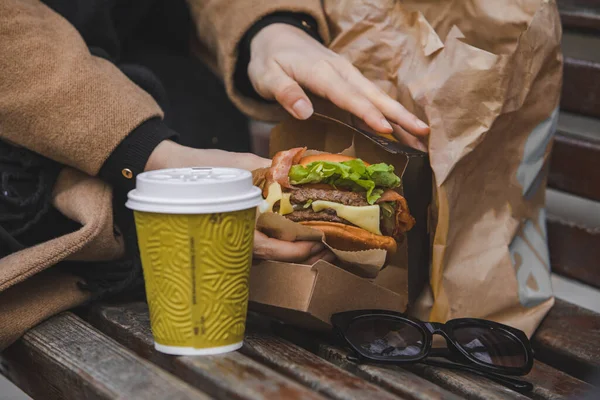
{"x": 195, "y": 231}
{"x": 169, "y": 155}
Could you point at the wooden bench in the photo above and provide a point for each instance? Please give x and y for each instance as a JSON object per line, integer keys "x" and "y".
{"x": 106, "y": 351}
{"x": 575, "y": 162}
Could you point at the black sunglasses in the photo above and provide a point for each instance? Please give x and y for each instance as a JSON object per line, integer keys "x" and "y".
{"x": 479, "y": 346}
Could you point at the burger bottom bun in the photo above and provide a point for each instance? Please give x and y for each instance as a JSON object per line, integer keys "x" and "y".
{"x": 351, "y": 238}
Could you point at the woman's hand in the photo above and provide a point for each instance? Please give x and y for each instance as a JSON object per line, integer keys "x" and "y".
{"x": 169, "y": 154}
{"x": 284, "y": 59}
{"x": 305, "y": 252}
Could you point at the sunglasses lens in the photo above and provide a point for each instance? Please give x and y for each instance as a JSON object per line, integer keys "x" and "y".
{"x": 386, "y": 338}
{"x": 491, "y": 346}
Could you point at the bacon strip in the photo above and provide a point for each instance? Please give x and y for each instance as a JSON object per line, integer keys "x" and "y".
{"x": 404, "y": 221}
{"x": 389, "y": 195}
{"x": 280, "y": 168}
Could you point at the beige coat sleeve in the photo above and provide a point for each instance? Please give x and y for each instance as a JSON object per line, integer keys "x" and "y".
{"x": 55, "y": 98}
{"x": 220, "y": 25}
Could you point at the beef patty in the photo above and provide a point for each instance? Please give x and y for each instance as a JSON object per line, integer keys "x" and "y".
{"x": 303, "y": 194}
{"x": 309, "y": 215}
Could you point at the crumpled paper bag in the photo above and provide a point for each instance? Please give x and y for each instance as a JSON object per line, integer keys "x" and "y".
{"x": 486, "y": 75}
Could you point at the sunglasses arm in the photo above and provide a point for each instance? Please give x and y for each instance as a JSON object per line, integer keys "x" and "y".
{"x": 512, "y": 383}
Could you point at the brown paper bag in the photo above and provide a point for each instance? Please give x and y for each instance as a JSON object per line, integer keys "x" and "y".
{"x": 486, "y": 75}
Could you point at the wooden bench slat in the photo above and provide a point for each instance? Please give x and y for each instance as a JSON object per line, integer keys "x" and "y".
{"x": 404, "y": 383}
{"x": 581, "y": 85}
{"x": 65, "y": 358}
{"x": 581, "y": 15}
{"x": 574, "y": 252}
{"x": 228, "y": 376}
{"x": 580, "y": 20}
{"x": 575, "y": 166}
{"x": 463, "y": 384}
{"x": 549, "y": 383}
{"x": 129, "y": 324}
{"x": 397, "y": 380}
{"x": 569, "y": 339}
{"x": 310, "y": 369}
{"x": 553, "y": 384}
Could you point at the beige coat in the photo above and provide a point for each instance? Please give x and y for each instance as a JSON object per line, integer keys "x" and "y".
{"x": 76, "y": 112}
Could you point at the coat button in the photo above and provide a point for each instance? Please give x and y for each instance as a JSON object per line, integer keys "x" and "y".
{"x": 127, "y": 173}
{"x": 215, "y": 140}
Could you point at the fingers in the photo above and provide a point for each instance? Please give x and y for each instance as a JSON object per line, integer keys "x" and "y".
{"x": 278, "y": 85}
{"x": 304, "y": 252}
{"x": 323, "y": 255}
{"x": 327, "y": 82}
{"x": 409, "y": 140}
{"x": 285, "y": 60}
{"x": 393, "y": 110}
{"x": 416, "y": 142}
{"x": 267, "y": 248}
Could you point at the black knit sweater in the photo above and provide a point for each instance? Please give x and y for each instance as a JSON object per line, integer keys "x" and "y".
{"x": 113, "y": 29}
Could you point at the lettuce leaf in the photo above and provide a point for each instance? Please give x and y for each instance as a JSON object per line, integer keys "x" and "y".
{"x": 352, "y": 174}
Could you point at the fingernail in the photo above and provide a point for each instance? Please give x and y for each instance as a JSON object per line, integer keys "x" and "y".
{"x": 386, "y": 124}
{"x": 422, "y": 124}
{"x": 422, "y": 147}
{"x": 303, "y": 109}
{"x": 317, "y": 248}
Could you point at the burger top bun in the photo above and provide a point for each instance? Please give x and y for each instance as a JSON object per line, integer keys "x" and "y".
{"x": 351, "y": 238}
{"x": 327, "y": 157}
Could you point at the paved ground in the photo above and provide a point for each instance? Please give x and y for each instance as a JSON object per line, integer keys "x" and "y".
{"x": 8, "y": 391}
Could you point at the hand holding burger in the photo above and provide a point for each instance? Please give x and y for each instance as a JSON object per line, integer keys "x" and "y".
{"x": 169, "y": 154}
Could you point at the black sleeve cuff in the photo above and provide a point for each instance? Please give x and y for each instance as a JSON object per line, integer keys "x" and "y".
{"x": 299, "y": 20}
{"x": 131, "y": 155}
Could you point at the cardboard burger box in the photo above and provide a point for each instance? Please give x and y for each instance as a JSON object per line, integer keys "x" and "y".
{"x": 307, "y": 295}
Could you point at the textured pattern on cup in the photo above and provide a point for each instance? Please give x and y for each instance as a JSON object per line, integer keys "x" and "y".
{"x": 196, "y": 270}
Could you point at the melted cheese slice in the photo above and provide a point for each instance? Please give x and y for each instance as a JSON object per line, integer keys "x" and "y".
{"x": 366, "y": 217}
{"x": 285, "y": 206}
{"x": 275, "y": 195}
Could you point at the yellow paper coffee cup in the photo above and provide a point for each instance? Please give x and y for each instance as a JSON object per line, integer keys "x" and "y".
{"x": 195, "y": 229}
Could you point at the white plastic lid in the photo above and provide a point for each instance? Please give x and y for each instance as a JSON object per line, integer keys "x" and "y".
{"x": 194, "y": 191}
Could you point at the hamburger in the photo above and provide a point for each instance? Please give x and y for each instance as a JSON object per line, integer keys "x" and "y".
{"x": 351, "y": 201}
